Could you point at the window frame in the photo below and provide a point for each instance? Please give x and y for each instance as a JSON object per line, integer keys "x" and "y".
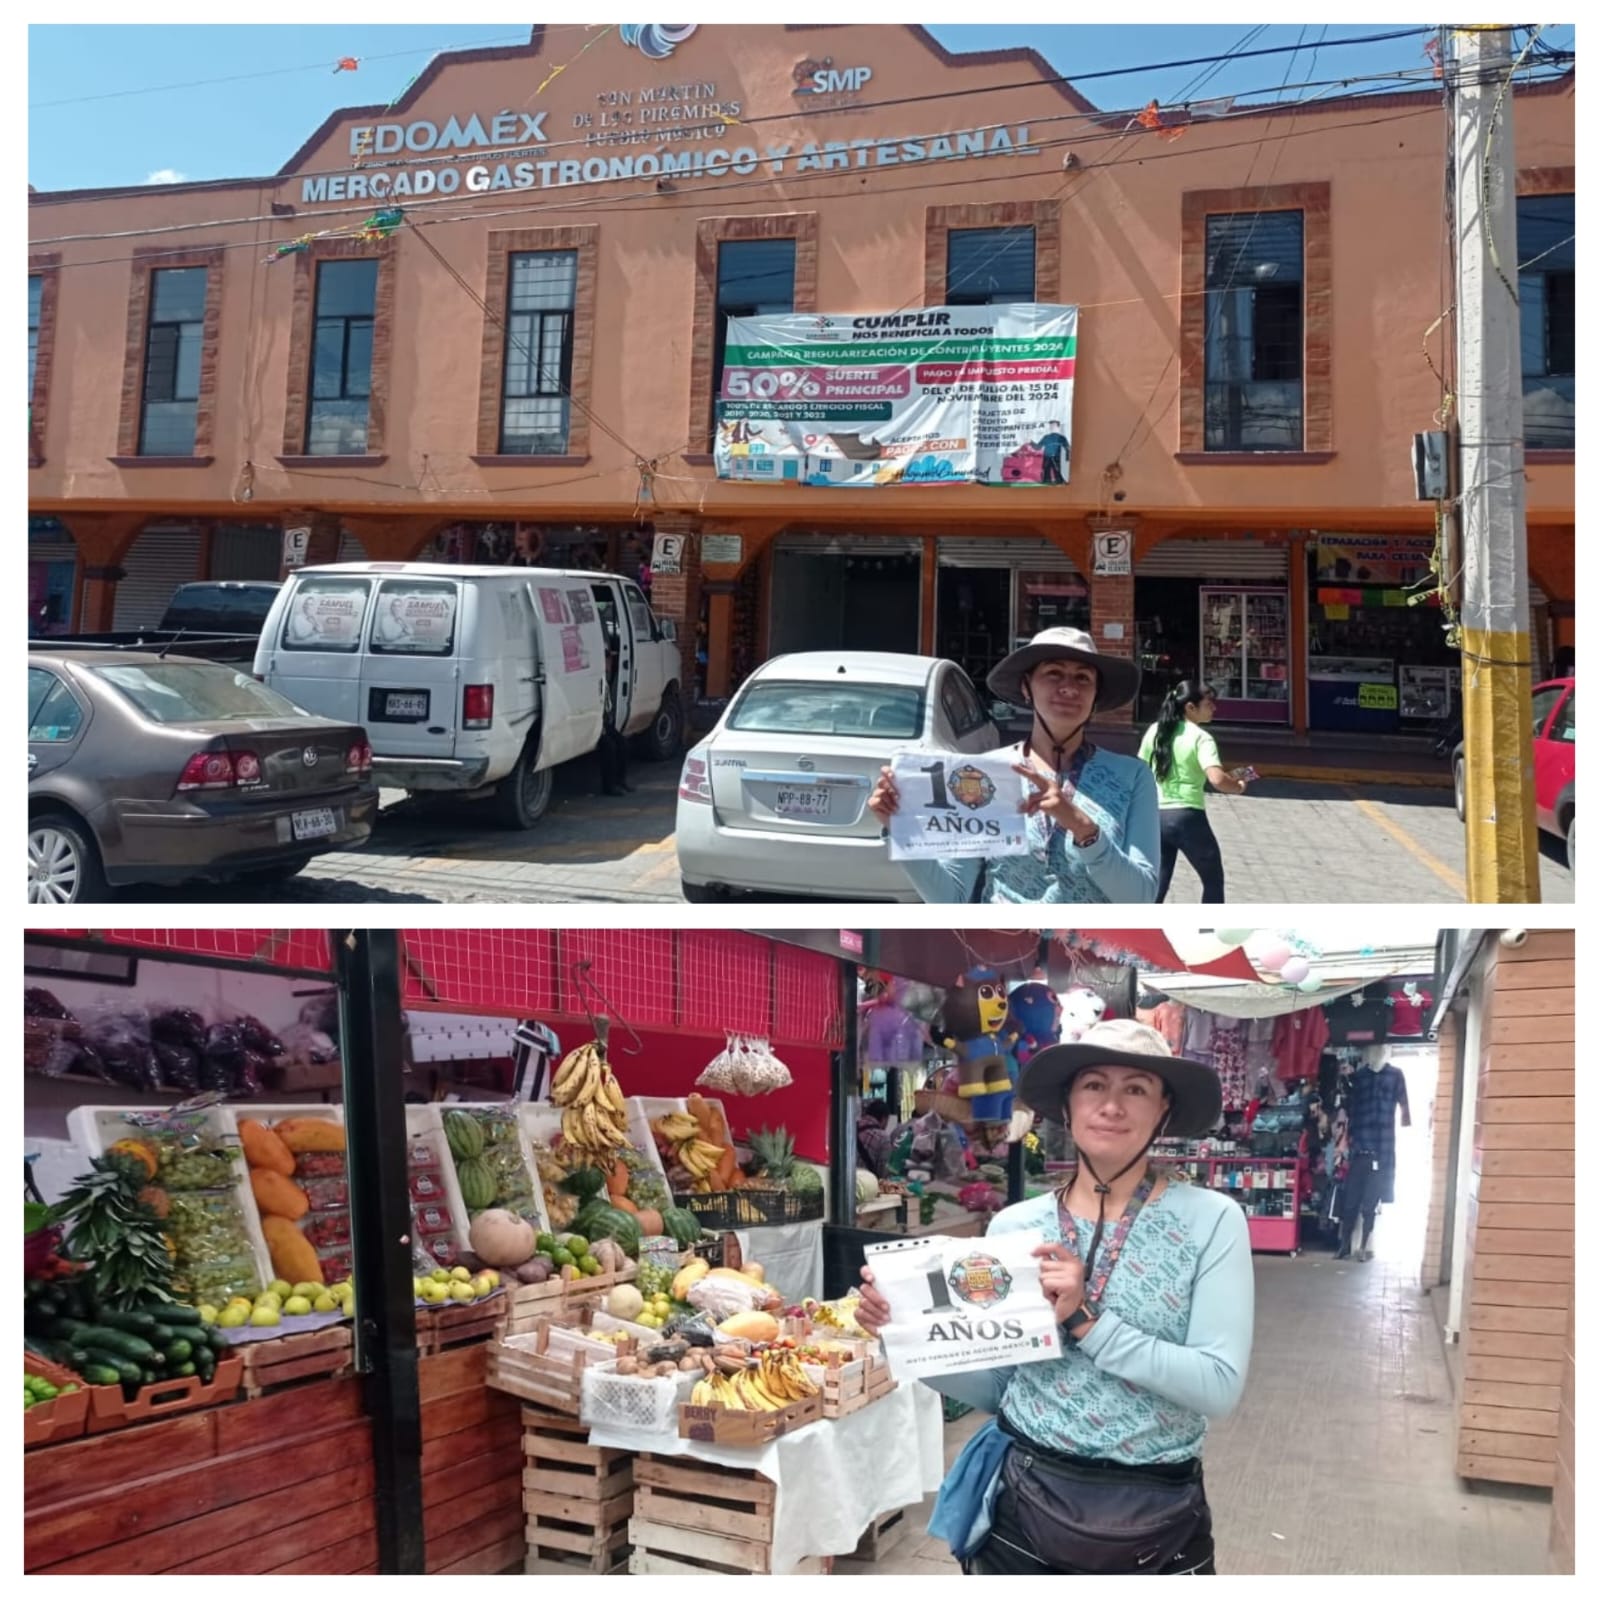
{"x": 1543, "y": 191}
{"x": 348, "y": 323}
{"x": 533, "y": 346}
{"x": 749, "y": 308}
{"x": 188, "y": 330}
{"x": 147, "y": 261}
{"x": 45, "y": 267}
{"x": 955, "y": 295}
{"x": 58, "y": 685}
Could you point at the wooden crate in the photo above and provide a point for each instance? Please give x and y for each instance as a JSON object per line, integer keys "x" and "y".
{"x": 851, "y": 1385}
{"x": 551, "y": 1377}
{"x": 744, "y": 1429}
{"x": 577, "y": 1498}
{"x": 884, "y": 1533}
{"x": 109, "y": 1409}
{"x": 275, "y": 1361}
{"x": 445, "y": 1326}
{"x": 693, "y": 1518}
{"x": 531, "y": 1302}
{"x": 56, "y": 1419}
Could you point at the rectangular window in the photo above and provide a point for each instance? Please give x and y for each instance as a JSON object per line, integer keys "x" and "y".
{"x": 536, "y": 410}
{"x": 35, "y": 298}
{"x": 172, "y": 361}
{"x": 754, "y": 277}
{"x": 1547, "y": 250}
{"x": 341, "y": 357}
{"x": 415, "y": 617}
{"x": 989, "y": 266}
{"x": 1255, "y": 331}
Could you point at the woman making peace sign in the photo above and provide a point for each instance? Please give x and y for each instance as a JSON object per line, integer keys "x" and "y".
{"x": 1093, "y": 818}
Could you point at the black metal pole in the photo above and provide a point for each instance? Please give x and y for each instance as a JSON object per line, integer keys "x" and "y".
{"x": 844, "y": 1108}
{"x": 1016, "y": 1155}
{"x": 371, "y": 1029}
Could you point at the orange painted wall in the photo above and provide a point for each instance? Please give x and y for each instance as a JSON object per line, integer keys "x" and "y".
{"x": 1120, "y": 261}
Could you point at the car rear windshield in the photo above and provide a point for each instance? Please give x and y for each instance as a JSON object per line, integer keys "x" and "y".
{"x": 816, "y": 710}
{"x": 326, "y": 614}
{"x": 203, "y": 608}
{"x": 414, "y": 616}
{"x": 174, "y": 692}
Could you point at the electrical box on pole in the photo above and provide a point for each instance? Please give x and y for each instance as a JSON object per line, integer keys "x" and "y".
{"x": 1495, "y": 617}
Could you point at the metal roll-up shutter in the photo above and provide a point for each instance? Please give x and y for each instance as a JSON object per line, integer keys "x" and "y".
{"x": 160, "y": 560}
{"x": 1221, "y": 560}
{"x": 48, "y": 540}
{"x": 848, "y": 544}
{"x": 350, "y": 547}
{"x": 246, "y": 554}
{"x": 1029, "y": 555}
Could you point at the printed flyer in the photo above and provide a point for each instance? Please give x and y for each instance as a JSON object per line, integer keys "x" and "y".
{"x": 951, "y": 394}
{"x": 963, "y": 1304}
{"x": 951, "y": 806}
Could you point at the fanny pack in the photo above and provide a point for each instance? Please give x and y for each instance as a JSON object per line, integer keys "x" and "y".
{"x": 1103, "y": 1519}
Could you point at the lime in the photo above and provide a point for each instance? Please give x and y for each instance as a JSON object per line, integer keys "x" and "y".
{"x": 578, "y": 1246}
{"x": 545, "y": 1244}
{"x": 563, "y": 1257}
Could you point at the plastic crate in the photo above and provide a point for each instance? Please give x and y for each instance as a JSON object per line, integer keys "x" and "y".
{"x": 634, "y": 1404}
{"x": 752, "y": 1207}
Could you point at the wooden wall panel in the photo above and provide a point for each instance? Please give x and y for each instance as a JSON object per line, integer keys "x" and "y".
{"x": 1563, "y": 1520}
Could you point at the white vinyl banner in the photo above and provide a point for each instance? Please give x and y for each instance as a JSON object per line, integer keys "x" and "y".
{"x": 963, "y": 1304}
{"x": 953, "y": 805}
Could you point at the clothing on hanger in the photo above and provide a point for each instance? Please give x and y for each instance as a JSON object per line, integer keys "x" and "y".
{"x": 1297, "y": 1041}
{"x": 1365, "y": 1023}
{"x": 1407, "y": 1015}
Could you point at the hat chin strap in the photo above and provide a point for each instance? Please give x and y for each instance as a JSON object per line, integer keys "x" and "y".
{"x": 1058, "y": 742}
{"x": 1102, "y": 1188}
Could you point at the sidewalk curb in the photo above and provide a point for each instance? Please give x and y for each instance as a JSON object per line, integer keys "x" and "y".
{"x": 1356, "y": 775}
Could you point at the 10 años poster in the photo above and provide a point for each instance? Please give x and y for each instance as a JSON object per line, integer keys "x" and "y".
{"x": 951, "y": 394}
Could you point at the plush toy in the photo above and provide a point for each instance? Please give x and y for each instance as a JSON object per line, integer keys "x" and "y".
{"x": 1081, "y": 1008}
{"x": 1035, "y": 1014}
{"x": 889, "y": 1034}
{"x": 974, "y": 1026}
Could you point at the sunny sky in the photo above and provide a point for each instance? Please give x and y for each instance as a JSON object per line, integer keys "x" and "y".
{"x": 156, "y": 103}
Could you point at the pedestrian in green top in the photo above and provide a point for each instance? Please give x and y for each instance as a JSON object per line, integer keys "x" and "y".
{"x": 1183, "y": 754}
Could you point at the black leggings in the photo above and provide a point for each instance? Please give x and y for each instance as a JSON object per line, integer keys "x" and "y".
{"x": 1186, "y": 831}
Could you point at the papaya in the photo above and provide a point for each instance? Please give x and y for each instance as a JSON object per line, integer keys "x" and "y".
{"x": 293, "y": 1258}
{"x": 305, "y": 1135}
{"x": 622, "y": 1202}
{"x": 263, "y": 1148}
{"x": 617, "y": 1182}
{"x": 276, "y": 1195}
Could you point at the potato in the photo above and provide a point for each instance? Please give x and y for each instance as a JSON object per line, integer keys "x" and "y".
{"x": 627, "y": 1366}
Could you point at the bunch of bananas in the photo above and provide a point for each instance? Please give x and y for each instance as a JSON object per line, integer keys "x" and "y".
{"x": 593, "y": 1110}
{"x": 700, "y": 1158}
{"x": 677, "y": 1127}
{"x": 775, "y": 1381}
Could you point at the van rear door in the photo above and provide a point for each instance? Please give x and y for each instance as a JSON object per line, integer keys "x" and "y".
{"x": 571, "y": 668}
{"x": 410, "y": 673}
{"x": 310, "y": 651}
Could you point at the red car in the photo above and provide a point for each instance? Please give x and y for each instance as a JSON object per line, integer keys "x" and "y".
{"x": 1554, "y": 762}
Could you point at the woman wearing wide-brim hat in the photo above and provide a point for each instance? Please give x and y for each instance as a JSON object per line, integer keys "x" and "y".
{"x": 1093, "y": 817}
{"x": 1092, "y": 1461}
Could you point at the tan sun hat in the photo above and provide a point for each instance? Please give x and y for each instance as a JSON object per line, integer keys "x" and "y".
{"x": 1195, "y": 1088}
{"x": 1118, "y": 677}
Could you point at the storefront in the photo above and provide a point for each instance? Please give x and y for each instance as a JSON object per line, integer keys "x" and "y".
{"x": 849, "y": 591}
{"x": 1377, "y": 660}
{"x": 1217, "y": 609}
{"x": 600, "y": 546}
{"x": 52, "y": 577}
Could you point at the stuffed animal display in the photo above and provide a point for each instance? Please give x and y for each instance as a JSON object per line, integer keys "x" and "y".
{"x": 1035, "y": 1014}
{"x": 1081, "y": 1008}
{"x": 976, "y": 1028}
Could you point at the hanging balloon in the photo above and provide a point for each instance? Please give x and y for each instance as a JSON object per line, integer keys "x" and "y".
{"x": 1311, "y": 984}
{"x": 1272, "y": 955}
{"x": 1295, "y": 970}
{"x": 1234, "y": 936}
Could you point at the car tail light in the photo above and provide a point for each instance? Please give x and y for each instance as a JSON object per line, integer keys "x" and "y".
{"x": 477, "y": 705}
{"x": 215, "y": 769}
{"x": 358, "y": 761}
{"x": 695, "y": 783}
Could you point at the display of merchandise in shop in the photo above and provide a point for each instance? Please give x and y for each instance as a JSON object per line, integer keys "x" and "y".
{"x": 1244, "y": 652}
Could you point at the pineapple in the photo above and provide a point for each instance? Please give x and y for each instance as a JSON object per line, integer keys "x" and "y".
{"x": 779, "y": 1166}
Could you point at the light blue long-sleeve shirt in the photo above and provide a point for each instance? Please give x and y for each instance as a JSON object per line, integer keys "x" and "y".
{"x": 1122, "y": 866}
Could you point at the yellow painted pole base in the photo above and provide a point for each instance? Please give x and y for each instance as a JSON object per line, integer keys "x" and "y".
{"x": 1501, "y": 818}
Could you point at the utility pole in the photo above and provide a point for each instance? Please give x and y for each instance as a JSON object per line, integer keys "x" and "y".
{"x": 1495, "y": 625}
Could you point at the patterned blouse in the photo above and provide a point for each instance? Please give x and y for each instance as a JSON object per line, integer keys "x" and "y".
{"x": 1121, "y": 867}
{"x": 1171, "y": 1348}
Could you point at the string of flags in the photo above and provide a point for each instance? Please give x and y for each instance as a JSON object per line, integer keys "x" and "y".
{"x": 376, "y": 228}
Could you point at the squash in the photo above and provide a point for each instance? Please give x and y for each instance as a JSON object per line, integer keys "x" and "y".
{"x": 306, "y": 1135}
{"x": 275, "y": 1195}
{"x": 136, "y": 1149}
{"x": 263, "y": 1148}
{"x": 622, "y": 1202}
{"x": 293, "y": 1258}
{"x": 650, "y": 1223}
{"x": 502, "y": 1239}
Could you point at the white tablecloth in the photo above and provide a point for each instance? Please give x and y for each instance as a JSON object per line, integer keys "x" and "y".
{"x": 834, "y": 1478}
{"x": 792, "y": 1256}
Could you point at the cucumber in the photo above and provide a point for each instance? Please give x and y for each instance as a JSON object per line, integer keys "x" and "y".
{"x": 218, "y": 1340}
{"x": 176, "y": 1315}
{"x": 185, "y": 1370}
{"x": 150, "y": 1376}
{"x": 64, "y": 1328}
{"x": 126, "y": 1370}
{"x": 129, "y": 1345}
{"x": 178, "y": 1351}
{"x": 93, "y": 1372}
{"x": 132, "y": 1321}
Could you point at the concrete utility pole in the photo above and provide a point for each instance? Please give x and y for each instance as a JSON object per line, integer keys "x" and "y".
{"x": 1495, "y": 632}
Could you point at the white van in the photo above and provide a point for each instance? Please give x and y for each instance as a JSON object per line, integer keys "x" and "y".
{"x": 470, "y": 676}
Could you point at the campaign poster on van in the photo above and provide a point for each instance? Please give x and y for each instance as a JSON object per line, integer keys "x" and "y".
{"x": 326, "y": 613}
{"x": 963, "y": 1304}
{"x": 952, "y": 806}
{"x": 950, "y": 394}
{"x": 417, "y": 620}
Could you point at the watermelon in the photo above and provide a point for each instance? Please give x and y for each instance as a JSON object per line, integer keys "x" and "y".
{"x": 601, "y": 1220}
{"x": 464, "y": 1133}
{"x": 478, "y": 1188}
{"x": 682, "y": 1227}
{"x": 587, "y": 1182}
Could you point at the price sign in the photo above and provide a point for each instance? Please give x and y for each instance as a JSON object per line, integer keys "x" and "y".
{"x": 963, "y": 1304}
{"x": 952, "y": 806}
{"x": 1379, "y": 697}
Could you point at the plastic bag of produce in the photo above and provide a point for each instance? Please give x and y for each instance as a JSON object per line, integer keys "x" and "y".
{"x": 308, "y": 1046}
{"x": 214, "y": 1259}
{"x": 41, "y": 1002}
{"x": 499, "y": 1163}
{"x": 180, "y": 1026}
{"x": 321, "y": 1013}
{"x": 180, "y": 1067}
{"x": 121, "y": 1041}
{"x": 258, "y": 1037}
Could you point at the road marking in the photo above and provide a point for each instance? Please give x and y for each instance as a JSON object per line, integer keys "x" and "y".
{"x": 1370, "y": 809}
{"x": 662, "y": 868}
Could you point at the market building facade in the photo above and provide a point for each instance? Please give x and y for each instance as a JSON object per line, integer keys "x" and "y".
{"x": 488, "y": 322}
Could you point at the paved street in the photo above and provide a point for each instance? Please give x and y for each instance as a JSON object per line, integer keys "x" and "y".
{"x": 1288, "y": 842}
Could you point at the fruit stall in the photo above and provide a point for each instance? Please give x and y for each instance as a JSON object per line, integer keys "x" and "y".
{"x": 328, "y": 1269}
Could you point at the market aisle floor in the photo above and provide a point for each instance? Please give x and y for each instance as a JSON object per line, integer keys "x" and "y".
{"x": 1340, "y": 1458}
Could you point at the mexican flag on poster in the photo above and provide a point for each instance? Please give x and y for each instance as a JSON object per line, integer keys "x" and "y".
{"x": 952, "y": 394}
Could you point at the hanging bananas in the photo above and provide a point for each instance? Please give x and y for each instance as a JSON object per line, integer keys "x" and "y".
{"x": 593, "y": 1108}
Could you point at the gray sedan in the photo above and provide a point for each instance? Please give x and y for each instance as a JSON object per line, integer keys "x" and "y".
{"x": 150, "y": 768}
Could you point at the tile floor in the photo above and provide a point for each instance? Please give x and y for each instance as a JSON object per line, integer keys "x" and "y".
{"x": 1340, "y": 1459}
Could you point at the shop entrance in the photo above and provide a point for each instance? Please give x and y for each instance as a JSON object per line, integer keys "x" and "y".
{"x": 974, "y": 618}
{"x": 1166, "y": 620}
{"x": 854, "y": 601}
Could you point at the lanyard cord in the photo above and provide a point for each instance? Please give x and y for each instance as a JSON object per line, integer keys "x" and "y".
{"x": 1102, "y": 1188}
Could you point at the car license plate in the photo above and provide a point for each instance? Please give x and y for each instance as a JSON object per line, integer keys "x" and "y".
{"x": 315, "y": 824}
{"x": 811, "y": 802}
{"x": 406, "y": 707}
